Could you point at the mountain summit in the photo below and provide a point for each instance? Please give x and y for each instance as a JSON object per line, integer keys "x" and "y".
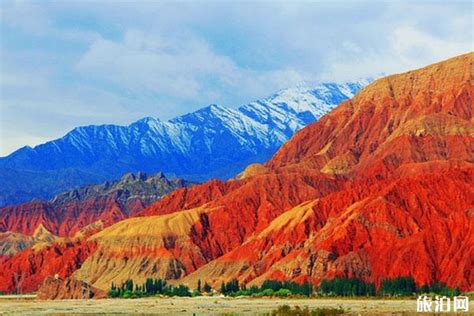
{"x": 213, "y": 142}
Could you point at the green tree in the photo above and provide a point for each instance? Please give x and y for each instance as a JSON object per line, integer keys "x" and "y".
{"x": 230, "y": 287}
{"x": 127, "y": 294}
{"x": 207, "y": 288}
{"x": 267, "y": 292}
{"x": 346, "y": 287}
{"x": 181, "y": 290}
{"x": 283, "y": 293}
{"x": 223, "y": 288}
{"x": 404, "y": 285}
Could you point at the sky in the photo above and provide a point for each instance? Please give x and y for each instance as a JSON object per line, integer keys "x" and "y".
{"x": 71, "y": 63}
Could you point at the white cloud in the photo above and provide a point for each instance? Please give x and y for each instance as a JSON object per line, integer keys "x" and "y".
{"x": 144, "y": 62}
{"x": 407, "y": 48}
{"x": 32, "y": 17}
{"x": 413, "y": 45}
{"x": 33, "y": 109}
{"x": 183, "y": 68}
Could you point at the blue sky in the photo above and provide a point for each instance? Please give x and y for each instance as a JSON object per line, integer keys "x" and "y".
{"x": 70, "y": 63}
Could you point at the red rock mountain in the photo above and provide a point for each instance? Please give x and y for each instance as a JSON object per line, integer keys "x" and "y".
{"x": 102, "y": 204}
{"x": 35, "y": 264}
{"x": 382, "y": 186}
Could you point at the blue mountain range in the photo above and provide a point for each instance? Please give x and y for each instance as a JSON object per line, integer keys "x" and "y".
{"x": 213, "y": 142}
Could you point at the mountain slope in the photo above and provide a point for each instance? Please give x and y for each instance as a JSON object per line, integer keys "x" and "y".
{"x": 384, "y": 232}
{"x": 419, "y": 116}
{"x": 209, "y": 143}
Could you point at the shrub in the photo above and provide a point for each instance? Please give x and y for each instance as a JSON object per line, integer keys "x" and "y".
{"x": 398, "y": 286}
{"x": 195, "y": 293}
{"x": 181, "y": 290}
{"x": 230, "y": 287}
{"x": 442, "y": 289}
{"x": 283, "y": 293}
{"x": 346, "y": 287}
{"x": 114, "y": 293}
{"x": 241, "y": 293}
{"x": 286, "y": 310}
{"x": 127, "y": 294}
{"x": 268, "y": 292}
{"x": 295, "y": 288}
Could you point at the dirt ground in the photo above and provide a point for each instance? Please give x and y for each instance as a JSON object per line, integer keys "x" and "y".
{"x": 199, "y": 306}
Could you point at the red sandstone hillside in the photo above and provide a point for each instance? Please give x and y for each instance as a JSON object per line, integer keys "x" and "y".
{"x": 69, "y": 288}
{"x": 382, "y": 186}
{"x": 423, "y": 115}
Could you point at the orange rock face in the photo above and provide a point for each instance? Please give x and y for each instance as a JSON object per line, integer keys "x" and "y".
{"x": 382, "y": 186}
{"x": 419, "y": 116}
{"x": 69, "y": 288}
{"x": 63, "y": 220}
{"x": 101, "y": 204}
{"x": 390, "y": 228}
{"x": 35, "y": 264}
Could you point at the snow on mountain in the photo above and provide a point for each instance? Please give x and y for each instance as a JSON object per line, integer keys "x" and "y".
{"x": 213, "y": 142}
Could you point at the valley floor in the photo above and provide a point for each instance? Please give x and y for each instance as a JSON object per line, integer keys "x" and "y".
{"x": 199, "y": 306}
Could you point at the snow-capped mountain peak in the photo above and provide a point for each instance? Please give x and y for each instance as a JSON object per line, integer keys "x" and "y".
{"x": 215, "y": 141}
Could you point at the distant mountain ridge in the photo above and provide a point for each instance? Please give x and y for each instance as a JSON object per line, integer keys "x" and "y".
{"x": 146, "y": 188}
{"x": 88, "y": 207}
{"x": 213, "y": 142}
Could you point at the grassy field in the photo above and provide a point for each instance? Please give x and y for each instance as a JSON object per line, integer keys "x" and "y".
{"x": 10, "y": 305}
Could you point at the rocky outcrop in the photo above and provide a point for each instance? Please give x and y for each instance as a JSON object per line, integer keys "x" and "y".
{"x": 12, "y": 243}
{"x": 55, "y": 288}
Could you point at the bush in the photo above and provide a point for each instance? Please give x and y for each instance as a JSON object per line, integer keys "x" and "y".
{"x": 442, "y": 289}
{"x": 268, "y": 292}
{"x": 398, "y": 286}
{"x": 283, "y": 293}
{"x": 286, "y": 310}
{"x": 295, "y": 288}
{"x": 425, "y": 289}
{"x": 230, "y": 287}
{"x": 114, "y": 293}
{"x": 196, "y": 293}
{"x": 181, "y": 290}
{"x": 241, "y": 293}
{"x": 346, "y": 287}
{"x": 127, "y": 294}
